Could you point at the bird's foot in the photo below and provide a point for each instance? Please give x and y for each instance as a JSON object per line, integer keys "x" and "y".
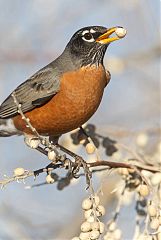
{"x": 77, "y": 164}
{"x": 53, "y": 148}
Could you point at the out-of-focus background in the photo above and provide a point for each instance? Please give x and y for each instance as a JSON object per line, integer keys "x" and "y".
{"x": 32, "y": 34}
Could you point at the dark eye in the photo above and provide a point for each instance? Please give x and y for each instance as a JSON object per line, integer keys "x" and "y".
{"x": 88, "y": 36}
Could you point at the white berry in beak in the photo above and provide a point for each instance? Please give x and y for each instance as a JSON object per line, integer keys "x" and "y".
{"x": 120, "y": 32}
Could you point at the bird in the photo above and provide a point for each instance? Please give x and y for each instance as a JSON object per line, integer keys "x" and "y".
{"x": 63, "y": 95}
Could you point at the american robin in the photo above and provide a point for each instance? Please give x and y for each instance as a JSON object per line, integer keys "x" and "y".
{"x": 66, "y": 93}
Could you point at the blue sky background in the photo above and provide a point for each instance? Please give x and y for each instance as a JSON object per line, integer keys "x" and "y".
{"x": 33, "y": 33}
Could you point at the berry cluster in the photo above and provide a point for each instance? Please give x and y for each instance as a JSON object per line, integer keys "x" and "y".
{"x": 92, "y": 227}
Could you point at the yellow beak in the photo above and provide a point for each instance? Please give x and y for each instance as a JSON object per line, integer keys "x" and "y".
{"x": 105, "y": 37}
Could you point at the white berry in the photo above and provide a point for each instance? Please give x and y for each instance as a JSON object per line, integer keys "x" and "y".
{"x": 112, "y": 226}
{"x": 154, "y": 224}
{"x": 87, "y": 204}
{"x": 84, "y": 235}
{"x": 159, "y": 236}
{"x": 32, "y": 142}
{"x": 19, "y": 171}
{"x": 102, "y": 227}
{"x": 144, "y": 236}
{"x": 100, "y": 211}
{"x": 88, "y": 213}
{"x": 117, "y": 234}
{"x": 123, "y": 171}
{"x": 95, "y": 226}
{"x": 142, "y": 139}
{"x": 85, "y": 227}
{"x": 96, "y": 200}
{"x": 49, "y": 179}
{"x": 152, "y": 211}
{"x": 94, "y": 234}
{"x": 91, "y": 219}
{"x": 51, "y": 155}
{"x": 159, "y": 220}
{"x": 120, "y": 32}
{"x": 90, "y": 148}
{"x": 156, "y": 179}
{"x": 143, "y": 190}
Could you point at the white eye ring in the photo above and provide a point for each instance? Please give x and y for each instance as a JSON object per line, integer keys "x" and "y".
{"x": 89, "y": 35}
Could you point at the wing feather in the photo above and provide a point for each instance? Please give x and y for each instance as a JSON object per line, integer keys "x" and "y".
{"x": 34, "y": 92}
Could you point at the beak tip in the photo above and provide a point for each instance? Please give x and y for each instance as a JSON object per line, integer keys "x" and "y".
{"x": 105, "y": 37}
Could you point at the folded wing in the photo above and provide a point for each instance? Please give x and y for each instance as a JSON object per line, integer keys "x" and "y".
{"x": 34, "y": 92}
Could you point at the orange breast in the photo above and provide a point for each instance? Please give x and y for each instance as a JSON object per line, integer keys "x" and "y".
{"x": 79, "y": 97}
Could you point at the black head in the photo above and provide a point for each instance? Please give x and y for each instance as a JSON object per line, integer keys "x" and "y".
{"x": 88, "y": 45}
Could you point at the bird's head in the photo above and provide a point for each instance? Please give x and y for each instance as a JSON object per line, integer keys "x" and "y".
{"x": 89, "y": 44}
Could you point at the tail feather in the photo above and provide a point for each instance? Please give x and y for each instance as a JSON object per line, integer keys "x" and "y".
{"x": 7, "y": 128}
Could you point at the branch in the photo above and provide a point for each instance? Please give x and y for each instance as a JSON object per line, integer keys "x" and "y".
{"x": 124, "y": 165}
{"x": 22, "y": 177}
{"x": 53, "y": 166}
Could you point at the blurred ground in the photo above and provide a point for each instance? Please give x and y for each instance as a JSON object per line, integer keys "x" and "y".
{"x": 33, "y": 33}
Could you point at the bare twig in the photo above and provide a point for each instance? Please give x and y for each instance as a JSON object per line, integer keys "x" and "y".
{"x": 7, "y": 180}
{"x": 124, "y": 165}
{"x": 110, "y": 165}
{"x": 27, "y": 120}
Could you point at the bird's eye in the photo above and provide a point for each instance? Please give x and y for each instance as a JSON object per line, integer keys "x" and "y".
{"x": 88, "y": 37}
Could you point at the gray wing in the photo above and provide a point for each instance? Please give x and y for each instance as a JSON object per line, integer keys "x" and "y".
{"x": 34, "y": 92}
